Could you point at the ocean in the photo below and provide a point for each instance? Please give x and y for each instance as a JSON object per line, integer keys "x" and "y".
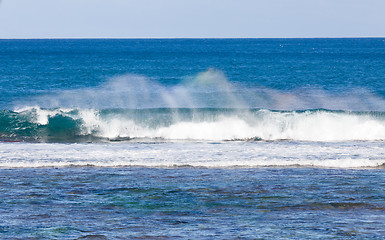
{"x": 192, "y": 138}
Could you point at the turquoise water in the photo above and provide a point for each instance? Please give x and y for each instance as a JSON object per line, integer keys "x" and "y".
{"x": 192, "y": 138}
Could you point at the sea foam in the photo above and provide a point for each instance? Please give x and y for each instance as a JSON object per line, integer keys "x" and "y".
{"x": 194, "y": 154}
{"x": 204, "y": 107}
{"x": 193, "y": 124}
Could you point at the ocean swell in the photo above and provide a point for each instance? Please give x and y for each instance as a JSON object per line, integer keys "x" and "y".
{"x": 174, "y": 124}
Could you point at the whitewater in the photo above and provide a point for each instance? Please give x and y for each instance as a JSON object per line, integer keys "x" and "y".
{"x": 192, "y": 138}
{"x": 194, "y": 154}
{"x": 205, "y": 121}
{"x": 73, "y": 125}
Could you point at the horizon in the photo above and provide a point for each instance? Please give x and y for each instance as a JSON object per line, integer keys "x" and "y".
{"x": 189, "y": 38}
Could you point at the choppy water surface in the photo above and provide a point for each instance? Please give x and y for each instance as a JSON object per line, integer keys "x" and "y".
{"x": 192, "y": 138}
{"x": 266, "y": 203}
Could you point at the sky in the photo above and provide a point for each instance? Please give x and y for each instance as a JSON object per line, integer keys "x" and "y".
{"x": 191, "y": 18}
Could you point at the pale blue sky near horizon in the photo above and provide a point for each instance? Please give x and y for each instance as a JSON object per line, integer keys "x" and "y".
{"x": 191, "y": 19}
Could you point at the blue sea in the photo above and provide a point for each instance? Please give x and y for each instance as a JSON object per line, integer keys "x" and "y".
{"x": 192, "y": 139}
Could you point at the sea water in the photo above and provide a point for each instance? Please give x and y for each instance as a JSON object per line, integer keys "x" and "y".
{"x": 192, "y": 138}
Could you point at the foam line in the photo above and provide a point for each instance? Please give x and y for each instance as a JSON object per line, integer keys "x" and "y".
{"x": 194, "y": 154}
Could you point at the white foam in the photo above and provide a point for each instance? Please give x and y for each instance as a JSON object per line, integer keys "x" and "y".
{"x": 224, "y": 129}
{"x": 321, "y": 126}
{"x": 41, "y": 116}
{"x": 264, "y": 124}
{"x": 195, "y": 154}
{"x": 312, "y": 126}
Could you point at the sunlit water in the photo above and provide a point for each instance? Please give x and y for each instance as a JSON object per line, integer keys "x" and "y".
{"x": 195, "y": 139}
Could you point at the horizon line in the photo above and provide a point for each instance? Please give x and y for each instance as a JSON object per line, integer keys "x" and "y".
{"x": 160, "y": 38}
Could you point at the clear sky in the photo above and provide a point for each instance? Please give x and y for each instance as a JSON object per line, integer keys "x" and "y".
{"x": 191, "y": 18}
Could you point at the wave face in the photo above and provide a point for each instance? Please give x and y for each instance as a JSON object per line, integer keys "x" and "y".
{"x": 186, "y": 124}
{"x": 205, "y": 103}
{"x": 204, "y": 107}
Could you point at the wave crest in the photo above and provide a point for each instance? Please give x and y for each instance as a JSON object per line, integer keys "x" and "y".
{"x": 206, "y": 124}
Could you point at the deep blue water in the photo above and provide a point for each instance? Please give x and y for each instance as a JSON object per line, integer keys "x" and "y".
{"x": 31, "y": 67}
{"x": 192, "y": 138}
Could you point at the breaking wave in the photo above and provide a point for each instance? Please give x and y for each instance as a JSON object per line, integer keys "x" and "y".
{"x": 205, "y": 107}
{"x": 202, "y": 124}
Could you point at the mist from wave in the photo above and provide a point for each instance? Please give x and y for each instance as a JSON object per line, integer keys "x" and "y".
{"x": 208, "y": 89}
{"x": 204, "y": 107}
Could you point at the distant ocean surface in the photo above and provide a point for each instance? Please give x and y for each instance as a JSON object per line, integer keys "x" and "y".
{"x": 192, "y": 138}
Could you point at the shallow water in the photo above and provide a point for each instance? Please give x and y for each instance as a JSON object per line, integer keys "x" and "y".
{"x": 266, "y": 203}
